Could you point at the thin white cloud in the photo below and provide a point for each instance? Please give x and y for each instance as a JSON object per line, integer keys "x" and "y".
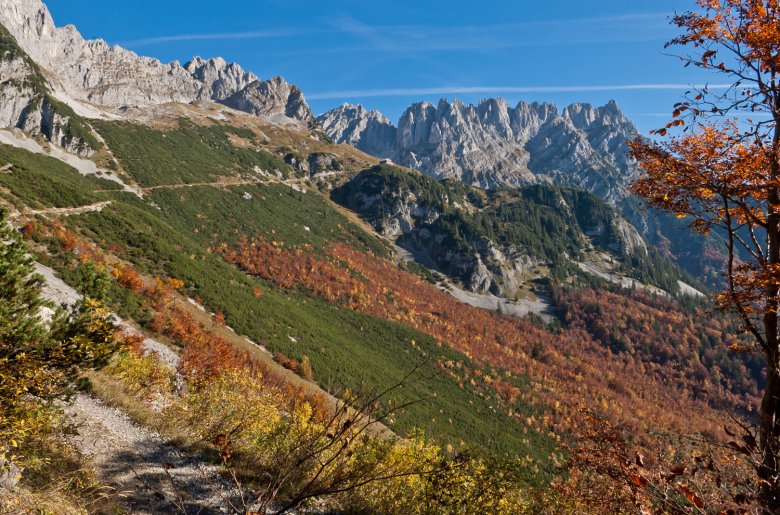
{"x": 500, "y": 90}
{"x": 257, "y": 34}
{"x": 389, "y": 38}
{"x": 520, "y": 29}
{"x": 633, "y": 27}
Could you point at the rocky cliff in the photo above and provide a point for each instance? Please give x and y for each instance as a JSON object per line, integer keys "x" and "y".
{"x": 369, "y": 131}
{"x": 493, "y": 144}
{"x": 26, "y": 102}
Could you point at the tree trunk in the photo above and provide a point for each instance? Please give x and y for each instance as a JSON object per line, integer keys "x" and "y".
{"x": 769, "y": 471}
{"x": 769, "y": 437}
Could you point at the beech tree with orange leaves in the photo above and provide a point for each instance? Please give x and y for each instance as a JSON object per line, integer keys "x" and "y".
{"x": 723, "y": 175}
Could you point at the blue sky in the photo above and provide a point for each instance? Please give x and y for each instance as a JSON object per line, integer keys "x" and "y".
{"x": 388, "y": 54}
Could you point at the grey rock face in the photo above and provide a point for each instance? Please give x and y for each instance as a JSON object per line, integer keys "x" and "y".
{"x": 627, "y": 239}
{"x": 274, "y": 99}
{"x": 493, "y": 144}
{"x": 94, "y": 72}
{"x": 24, "y": 105}
{"x": 369, "y": 131}
{"x": 220, "y": 79}
{"x": 323, "y": 163}
{"x": 431, "y": 221}
{"x": 15, "y": 94}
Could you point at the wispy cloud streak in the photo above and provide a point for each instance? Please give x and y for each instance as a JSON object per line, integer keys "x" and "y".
{"x": 389, "y": 38}
{"x": 501, "y": 90}
{"x": 257, "y": 34}
{"x": 625, "y": 27}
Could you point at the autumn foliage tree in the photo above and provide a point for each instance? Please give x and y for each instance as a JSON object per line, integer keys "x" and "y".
{"x": 723, "y": 175}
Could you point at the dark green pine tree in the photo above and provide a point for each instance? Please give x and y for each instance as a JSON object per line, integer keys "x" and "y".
{"x": 20, "y": 299}
{"x": 23, "y": 377}
{"x": 39, "y": 360}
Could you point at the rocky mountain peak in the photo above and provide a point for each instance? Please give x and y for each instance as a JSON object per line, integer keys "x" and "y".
{"x": 357, "y": 112}
{"x": 370, "y": 131}
{"x": 220, "y": 78}
{"x": 583, "y": 116}
{"x": 110, "y": 76}
{"x": 275, "y": 99}
{"x": 32, "y": 17}
{"x": 493, "y": 144}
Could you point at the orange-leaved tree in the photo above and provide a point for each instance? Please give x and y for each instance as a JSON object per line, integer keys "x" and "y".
{"x": 722, "y": 173}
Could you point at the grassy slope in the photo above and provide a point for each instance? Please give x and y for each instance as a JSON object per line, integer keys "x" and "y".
{"x": 39, "y": 181}
{"x": 187, "y": 154}
{"x": 346, "y": 349}
{"x": 223, "y": 215}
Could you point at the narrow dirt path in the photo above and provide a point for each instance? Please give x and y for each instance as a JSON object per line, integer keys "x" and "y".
{"x": 67, "y": 211}
{"x": 227, "y": 183}
{"x": 213, "y": 184}
{"x": 149, "y": 474}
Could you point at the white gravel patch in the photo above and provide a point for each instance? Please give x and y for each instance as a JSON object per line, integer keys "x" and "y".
{"x": 82, "y": 108}
{"x": 165, "y": 354}
{"x": 687, "y": 289}
{"x": 55, "y": 289}
{"x": 603, "y": 270}
{"x": 518, "y": 308}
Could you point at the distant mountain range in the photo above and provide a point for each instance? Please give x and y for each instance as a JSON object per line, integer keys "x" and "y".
{"x": 54, "y": 75}
{"x": 493, "y": 144}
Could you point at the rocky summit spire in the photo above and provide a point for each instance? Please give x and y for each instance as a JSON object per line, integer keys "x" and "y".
{"x": 369, "y": 131}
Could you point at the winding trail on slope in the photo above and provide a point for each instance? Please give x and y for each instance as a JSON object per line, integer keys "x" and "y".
{"x": 67, "y": 211}
{"x": 148, "y": 473}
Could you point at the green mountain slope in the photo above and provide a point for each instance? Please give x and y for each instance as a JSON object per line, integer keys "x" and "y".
{"x": 497, "y": 239}
{"x": 170, "y": 232}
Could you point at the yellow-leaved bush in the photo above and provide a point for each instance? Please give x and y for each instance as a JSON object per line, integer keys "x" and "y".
{"x": 142, "y": 375}
{"x": 441, "y": 484}
{"x": 233, "y": 404}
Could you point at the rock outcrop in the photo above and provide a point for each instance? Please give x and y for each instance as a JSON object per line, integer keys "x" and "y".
{"x": 369, "y": 131}
{"x": 26, "y": 103}
{"x": 490, "y": 242}
{"x": 273, "y": 99}
{"x": 493, "y": 144}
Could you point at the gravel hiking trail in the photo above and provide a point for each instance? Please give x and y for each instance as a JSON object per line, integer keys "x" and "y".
{"x": 148, "y": 474}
